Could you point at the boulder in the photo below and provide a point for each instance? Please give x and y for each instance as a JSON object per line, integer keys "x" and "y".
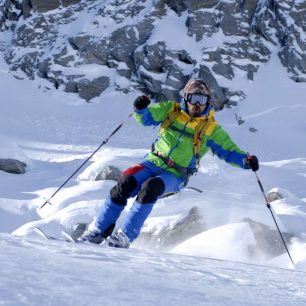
{"x": 12, "y": 166}
{"x": 289, "y": 24}
{"x": 42, "y": 6}
{"x": 173, "y": 233}
{"x": 202, "y": 23}
{"x": 268, "y": 241}
{"x": 91, "y": 89}
{"x": 26, "y": 8}
{"x": 108, "y": 173}
{"x": 194, "y": 5}
{"x": 89, "y": 50}
{"x": 178, "y": 6}
{"x": 69, "y": 2}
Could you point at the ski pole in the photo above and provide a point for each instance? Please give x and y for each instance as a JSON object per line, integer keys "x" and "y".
{"x": 269, "y": 207}
{"x": 93, "y": 153}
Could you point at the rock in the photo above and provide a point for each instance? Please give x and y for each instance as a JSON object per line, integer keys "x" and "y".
{"x": 123, "y": 37}
{"x": 12, "y": 166}
{"x": 124, "y": 41}
{"x": 274, "y": 196}
{"x": 71, "y": 86}
{"x": 91, "y": 89}
{"x": 268, "y": 241}
{"x": 173, "y": 234}
{"x": 293, "y": 51}
{"x": 194, "y": 5}
{"x": 26, "y": 8}
{"x": 10, "y": 12}
{"x": 229, "y": 23}
{"x": 161, "y": 71}
{"x": 253, "y": 129}
{"x": 223, "y": 69}
{"x": 89, "y": 50}
{"x": 121, "y": 67}
{"x": 42, "y": 6}
{"x": 202, "y": 23}
{"x": 178, "y": 6}
{"x": 69, "y": 2}
{"x": 108, "y": 173}
{"x": 78, "y": 230}
{"x": 63, "y": 58}
{"x": 151, "y": 57}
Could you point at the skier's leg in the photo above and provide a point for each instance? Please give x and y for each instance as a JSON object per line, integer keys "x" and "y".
{"x": 128, "y": 185}
{"x": 149, "y": 193}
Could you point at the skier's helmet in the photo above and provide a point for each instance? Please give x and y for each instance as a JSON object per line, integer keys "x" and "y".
{"x": 196, "y": 87}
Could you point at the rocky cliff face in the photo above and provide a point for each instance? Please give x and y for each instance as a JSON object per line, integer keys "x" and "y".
{"x": 155, "y": 46}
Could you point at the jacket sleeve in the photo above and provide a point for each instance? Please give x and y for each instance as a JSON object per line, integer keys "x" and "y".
{"x": 155, "y": 114}
{"x": 222, "y": 145}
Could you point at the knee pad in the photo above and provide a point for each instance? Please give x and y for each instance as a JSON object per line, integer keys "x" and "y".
{"x": 122, "y": 191}
{"x": 150, "y": 190}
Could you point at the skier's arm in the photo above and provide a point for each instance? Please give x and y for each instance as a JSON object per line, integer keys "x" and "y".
{"x": 155, "y": 114}
{"x": 222, "y": 145}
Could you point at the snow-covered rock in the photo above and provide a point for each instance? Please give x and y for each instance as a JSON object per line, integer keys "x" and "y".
{"x": 290, "y": 210}
{"x": 12, "y": 166}
{"x": 235, "y": 240}
{"x": 140, "y": 42}
{"x": 12, "y": 159}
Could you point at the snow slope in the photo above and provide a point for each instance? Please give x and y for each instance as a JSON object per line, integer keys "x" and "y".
{"x": 59, "y": 273}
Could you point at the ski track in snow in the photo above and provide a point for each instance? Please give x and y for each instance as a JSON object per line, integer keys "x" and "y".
{"x": 274, "y": 109}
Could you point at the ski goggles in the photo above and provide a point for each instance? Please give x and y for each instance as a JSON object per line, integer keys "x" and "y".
{"x": 196, "y": 98}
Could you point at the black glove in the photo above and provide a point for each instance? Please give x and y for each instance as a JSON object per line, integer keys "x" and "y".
{"x": 141, "y": 102}
{"x": 252, "y": 162}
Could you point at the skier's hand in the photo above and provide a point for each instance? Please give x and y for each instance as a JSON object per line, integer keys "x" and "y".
{"x": 141, "y": 102}
{"x": 252, "y": 162}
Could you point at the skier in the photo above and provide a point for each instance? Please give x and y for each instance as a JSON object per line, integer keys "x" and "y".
{"x": 188, "y": 131}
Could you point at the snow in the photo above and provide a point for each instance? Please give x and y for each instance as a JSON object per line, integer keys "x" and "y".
{"x": 233, "y": 241}
{"x": 60, "y": 273}
{"x": 171, "y": 29}
{"x": 54, "y": 132}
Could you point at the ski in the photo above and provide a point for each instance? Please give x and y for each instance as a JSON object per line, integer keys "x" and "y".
{"x": 40, "y": 232}
{"x": 66, "y": 237}
{"x": 70, "y": 238}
